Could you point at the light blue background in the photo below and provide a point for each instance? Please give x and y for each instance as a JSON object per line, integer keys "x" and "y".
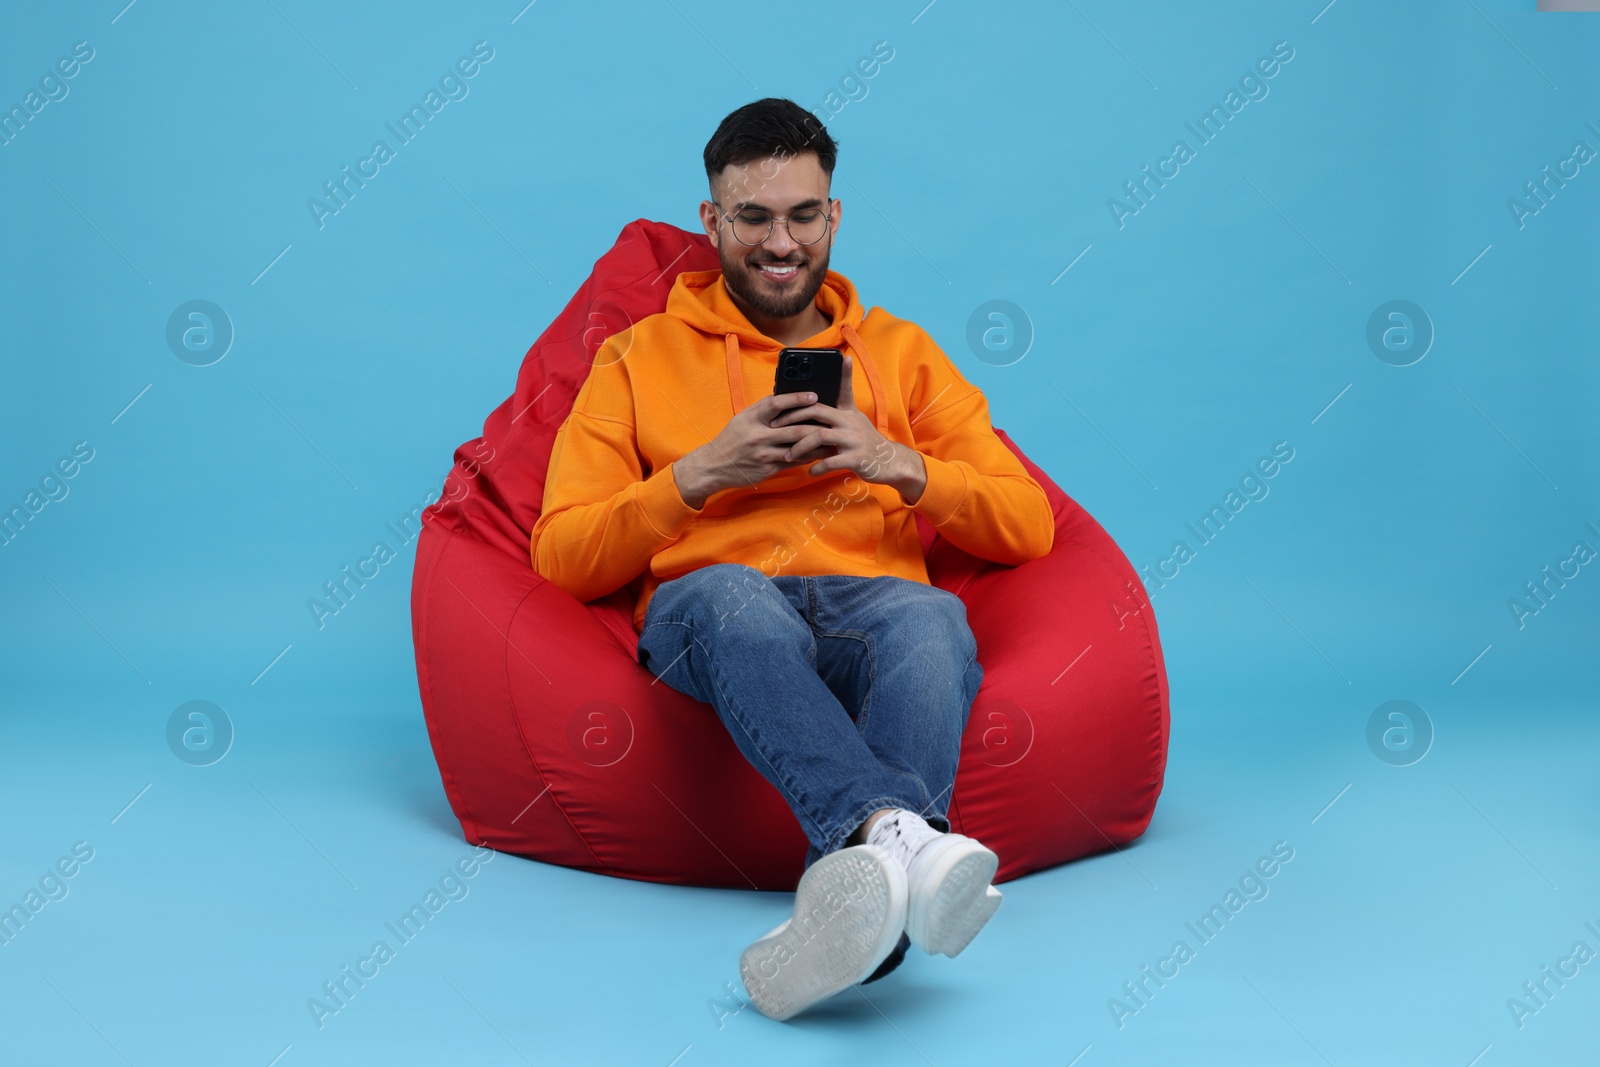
{"x": 1227, "y": 315}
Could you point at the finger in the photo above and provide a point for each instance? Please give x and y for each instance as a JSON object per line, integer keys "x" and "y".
{"x": 785, "y": 435}
{"x": 794, "y": 415}
{"x": 799, "y": 448}
{"x": 774, "y": 404}
{"x": 828, "y": 416}
{"x": 823, "y": 452}
{"x": 799, "y": 452}
{"x": 824, "y": 463}
{"x": 847, "y": 392}
{"x": 808, "y": 442}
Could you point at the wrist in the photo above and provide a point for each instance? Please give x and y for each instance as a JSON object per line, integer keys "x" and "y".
{"x": 691, "y": 485}
{"x": 912, "y": 477}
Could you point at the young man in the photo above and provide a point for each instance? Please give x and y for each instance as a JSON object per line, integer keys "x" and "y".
{"x": 781, "y": 578}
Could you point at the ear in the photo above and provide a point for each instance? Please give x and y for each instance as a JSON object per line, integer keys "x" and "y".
{"x": 708, "y": 221}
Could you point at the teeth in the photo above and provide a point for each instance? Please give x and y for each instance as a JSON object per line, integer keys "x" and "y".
{"x": 780, "y": 271}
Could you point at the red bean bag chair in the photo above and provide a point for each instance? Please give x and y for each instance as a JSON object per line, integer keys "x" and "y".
{"x": 554, "y": 743}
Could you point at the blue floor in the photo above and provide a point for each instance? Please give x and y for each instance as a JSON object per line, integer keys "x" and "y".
{"x": 1417, "y": 902}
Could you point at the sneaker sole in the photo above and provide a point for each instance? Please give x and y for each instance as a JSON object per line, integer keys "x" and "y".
{"x": 849, "y": 913}
{"x": 956, "y": 899}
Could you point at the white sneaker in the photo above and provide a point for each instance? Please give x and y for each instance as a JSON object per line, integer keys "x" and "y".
{"x": 951, "y": 898}
{"x": 948, "y": 876}
{"x": 849, "y": 912}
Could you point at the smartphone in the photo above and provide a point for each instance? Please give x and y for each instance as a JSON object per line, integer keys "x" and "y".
{"x": 810, "y": 370}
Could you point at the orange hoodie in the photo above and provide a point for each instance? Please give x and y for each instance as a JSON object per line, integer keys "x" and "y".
{"x": 662, "y": 388}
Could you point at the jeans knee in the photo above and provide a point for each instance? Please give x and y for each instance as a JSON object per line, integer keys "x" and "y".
{"x": 936, "y": 627}
{"x": 727, "y": 571}
{"x": 973, "y": 681}
{"x": 952, "y": 621}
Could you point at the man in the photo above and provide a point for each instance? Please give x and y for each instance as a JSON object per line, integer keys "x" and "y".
{"x": 781, "y": 578}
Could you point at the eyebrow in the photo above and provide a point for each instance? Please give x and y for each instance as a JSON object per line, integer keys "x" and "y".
{"x": 815, "y": 201}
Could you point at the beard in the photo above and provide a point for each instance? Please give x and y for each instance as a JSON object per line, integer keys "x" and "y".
{"x": 745, "y": 281}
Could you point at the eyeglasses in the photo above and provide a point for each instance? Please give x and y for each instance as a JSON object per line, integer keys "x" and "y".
{"x": 806, "y": 226}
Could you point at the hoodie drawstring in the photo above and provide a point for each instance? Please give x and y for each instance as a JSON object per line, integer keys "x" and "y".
{"x": 735, "y": 374}
{"x": 880, "y": 409}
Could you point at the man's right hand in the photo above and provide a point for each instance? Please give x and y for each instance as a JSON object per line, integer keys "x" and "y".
{"x": 748, "y": 451}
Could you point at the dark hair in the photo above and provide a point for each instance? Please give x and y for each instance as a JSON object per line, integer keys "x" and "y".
{"x": 770, "y": 127}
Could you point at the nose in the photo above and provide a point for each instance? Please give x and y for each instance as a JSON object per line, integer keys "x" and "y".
{"x": 778, "y": 242}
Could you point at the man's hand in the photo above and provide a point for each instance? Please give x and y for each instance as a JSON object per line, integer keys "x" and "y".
{"x": 857, "y": 444}
{"x": 750, "y": 448}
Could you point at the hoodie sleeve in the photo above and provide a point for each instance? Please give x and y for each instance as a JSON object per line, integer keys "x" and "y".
{"x": 603, "y": 519}
{"x": 978, "y": 495}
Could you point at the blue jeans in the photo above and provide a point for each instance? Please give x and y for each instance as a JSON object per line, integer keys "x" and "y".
{"x": 848, "y": 694}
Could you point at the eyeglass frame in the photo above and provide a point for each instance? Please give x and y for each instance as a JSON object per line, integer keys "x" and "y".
{"x": 772, "y": 226}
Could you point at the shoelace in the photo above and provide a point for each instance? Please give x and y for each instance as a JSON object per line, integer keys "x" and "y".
{"x": 900, "y": 840}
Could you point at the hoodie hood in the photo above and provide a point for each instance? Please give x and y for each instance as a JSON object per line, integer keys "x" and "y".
{"x": 701, "y": 300}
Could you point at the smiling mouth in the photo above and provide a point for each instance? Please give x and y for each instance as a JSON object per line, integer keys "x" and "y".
{"x": 778, "y": 272}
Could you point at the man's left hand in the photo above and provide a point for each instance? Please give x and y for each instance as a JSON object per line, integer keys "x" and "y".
{"x": 858, "y": 446}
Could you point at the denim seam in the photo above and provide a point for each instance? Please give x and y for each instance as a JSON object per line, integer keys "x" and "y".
{"x": 872, "y": 683}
